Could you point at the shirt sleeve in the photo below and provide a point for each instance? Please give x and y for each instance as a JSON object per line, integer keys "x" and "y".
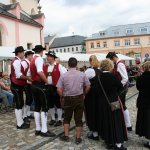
{"x": 60, "y": 83}
{"x": 62, "y": 69}
{"x": 17, "y": 68}
{"x": 90, "y": 73}
{"x": 24, "y": 65}
{"x": 39, "y": 64}
{"x": 123, "y": 72}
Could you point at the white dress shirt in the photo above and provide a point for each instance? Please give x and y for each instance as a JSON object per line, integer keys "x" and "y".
{"x": 90, "y": 73}
{"x": 39, "y": 62}
{"x": 17, "y": 67}
{"x": 123, "y": 72}
{"x": 61, "y": 68}
{"x": 25, "y": 65}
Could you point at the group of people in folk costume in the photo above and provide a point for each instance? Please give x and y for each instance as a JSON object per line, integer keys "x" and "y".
{"x": 95, "y": 92}
{"x": 38, "y": 80}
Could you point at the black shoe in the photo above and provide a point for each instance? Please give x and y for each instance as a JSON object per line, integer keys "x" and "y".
{"x": 93, "y": 138}
{"x": 64, "y": 138}
{"x": 52, "y": 122}
{"x": 26, "y": 120}
{"x": 37, "y": 133}
{"x": 129, "y": 128}
{"x": 30, "y": 117}
{"x": 47, "y": 134}
{"x": 24, "y": 126}
{"x": 58, "y": 123}
{"x": 147, "y": 145}
{"x": 110, "y": 146}
{"x": 78, "y": 140}
{"x": 120, "y": 148}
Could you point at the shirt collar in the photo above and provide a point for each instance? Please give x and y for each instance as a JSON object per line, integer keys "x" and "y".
{"x": 27, "y": 60}
{"x": 52, "y": 64}
{"x": 72, "y": 69}
{"x": 18, "y": 58}
{"x": 37, "y": 55}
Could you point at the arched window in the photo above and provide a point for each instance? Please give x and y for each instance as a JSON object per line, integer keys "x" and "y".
{"x": 32, "y": 11}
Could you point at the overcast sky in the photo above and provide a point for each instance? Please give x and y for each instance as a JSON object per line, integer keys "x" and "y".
{"x": 84, "y": 17}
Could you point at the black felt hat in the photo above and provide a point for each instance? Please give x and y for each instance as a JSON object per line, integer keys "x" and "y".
{"x": 51, "y": 53}
{"x": 39, "y": 48}
{"x": 29, "y": 52}
{"x": 110, "y": 55}
{"x": 19, "y": 49}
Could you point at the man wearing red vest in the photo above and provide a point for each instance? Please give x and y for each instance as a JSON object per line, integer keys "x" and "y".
{"x": 18, "y": 81}
{"x": 121, "y": 71}
{"x": 29, "y": 97}
{"x": 54, "y": 70}
{"x": 39, "y": 92}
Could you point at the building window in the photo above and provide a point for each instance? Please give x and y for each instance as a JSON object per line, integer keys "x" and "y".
{"x": 104, "y": 44}
{"x": 144, "y": 29}
{"x": 56, "y": 50}
{"x": 13, "y": 1}
{"x": 98, "y": 44}
{"x": 116, "y": 33}
{"x": 76, "y": 48}
{"x": 0, "y": 38}
{"x": 64, "y": 50}
{"x": 68, "y": 49}
{"x": 117, "y": 43}
{"x": 136, "y": 41}
{"x": 92, "y": 45}
{"x": 29, "y": 46}
{"x": 102, "y": 33}
{"x": 129, "y": 31}
{"x": 127, "y": 42}
{"x": 60, "y": 50}
{"x": 72, "y": 49}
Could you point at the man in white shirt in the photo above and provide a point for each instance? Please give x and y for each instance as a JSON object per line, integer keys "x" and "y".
{"x": 37, "y": 68}
{"x": 18, "y": 81}
{"x": 121, "y": 71}
{"x": 29, "y": 97}
{"x": 54, "y": 71}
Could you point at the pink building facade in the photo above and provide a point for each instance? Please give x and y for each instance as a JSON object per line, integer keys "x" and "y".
{"x": 21, "y": 25}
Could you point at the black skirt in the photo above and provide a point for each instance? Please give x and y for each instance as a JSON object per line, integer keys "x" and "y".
{"x": 112, "y": 127}
{"x": 143, "y": 123}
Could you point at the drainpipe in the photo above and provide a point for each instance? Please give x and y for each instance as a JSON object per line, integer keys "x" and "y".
{"x": 41, "y": 35}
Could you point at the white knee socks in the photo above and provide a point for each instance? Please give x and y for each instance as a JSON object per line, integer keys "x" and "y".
{"x": 59, "y": 113}
{"x": 28, "y": 110}
{"x": 37, "y": 117}
{"x": 127, "y": 118}
{"x": 52, "y": 113}
{"x": 44, "y": 122}
{"x": 18, "y": 113}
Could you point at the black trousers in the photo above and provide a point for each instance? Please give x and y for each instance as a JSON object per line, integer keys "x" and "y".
{"x": 52, "y": 97}
{"x": 123, "y": 96}
{"x": 29, "y": 95}
{"x": 39, "y": 95}
{"x": 18, "y": 95}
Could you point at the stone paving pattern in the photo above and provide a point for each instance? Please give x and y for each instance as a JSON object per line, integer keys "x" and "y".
{"x": 13, "y": 139}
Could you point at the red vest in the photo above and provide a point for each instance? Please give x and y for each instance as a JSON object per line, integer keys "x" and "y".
{"x": 115, "y": 69}
{"x": 55, "y": 74}
{"x": 33, "y": 70}
{"x": 16, "y": 81}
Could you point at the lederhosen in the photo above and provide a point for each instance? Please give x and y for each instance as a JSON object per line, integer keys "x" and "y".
{"x": 125, "y": 88}
{"x": 27, "y": 89}
{"x": 17, "y": 86}
{"x": 38, "y": 88}
{"x": 52, "y": 95}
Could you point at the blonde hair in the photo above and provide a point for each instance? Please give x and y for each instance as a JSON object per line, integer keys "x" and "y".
{"x": 107, "y": 65}
{"x": 94, "y": 61}
{"x": 146, "y": 66}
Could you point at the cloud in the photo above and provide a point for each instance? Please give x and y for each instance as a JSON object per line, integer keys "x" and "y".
{"x": 85, "y": 17}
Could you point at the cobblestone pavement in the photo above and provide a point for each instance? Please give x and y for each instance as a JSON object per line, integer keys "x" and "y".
{"x": 13, "y": 139}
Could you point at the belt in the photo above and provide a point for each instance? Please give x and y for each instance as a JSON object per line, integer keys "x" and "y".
{"x": 74, "y": 97}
